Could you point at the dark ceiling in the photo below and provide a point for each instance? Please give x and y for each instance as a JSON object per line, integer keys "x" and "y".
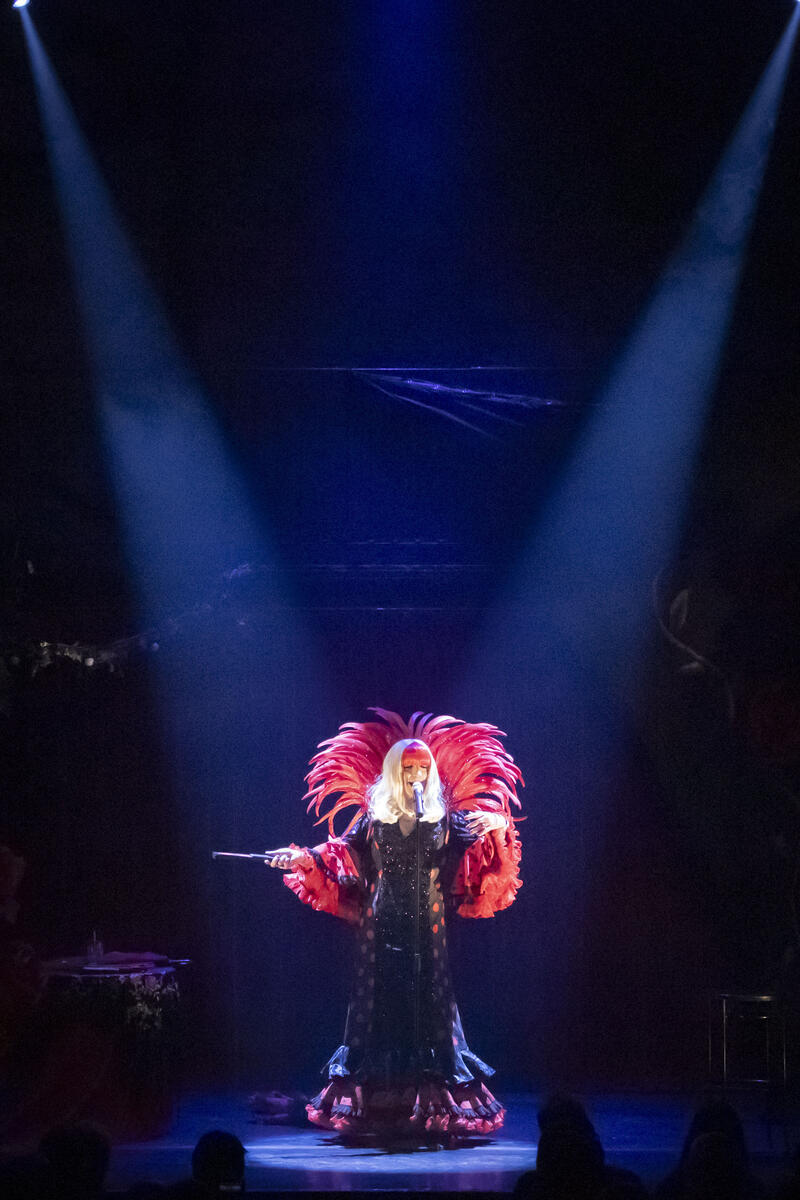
{"x": 386, "y": 184}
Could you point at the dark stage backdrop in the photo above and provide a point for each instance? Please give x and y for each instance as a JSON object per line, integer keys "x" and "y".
{"x": 599, "y": 970}
{"x": 659, "y": 834}
{"x": 468, "y": 184}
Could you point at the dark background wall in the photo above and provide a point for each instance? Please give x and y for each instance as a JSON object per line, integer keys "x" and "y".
{"x": 355, "y": 185}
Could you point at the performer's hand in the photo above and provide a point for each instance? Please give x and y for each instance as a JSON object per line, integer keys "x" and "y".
{"x": 481, "y": 823}
{"x": 289, "y": 858}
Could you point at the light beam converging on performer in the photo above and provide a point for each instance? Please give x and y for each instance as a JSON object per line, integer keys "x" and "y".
{"x": 185, "y": 518}
{"x": 615, "y": 520}
{"x": 572, "y": 624}
{"x": 181, "y": 502}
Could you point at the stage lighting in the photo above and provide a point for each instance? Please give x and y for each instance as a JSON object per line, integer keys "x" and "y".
{"x": 21, "y": 3}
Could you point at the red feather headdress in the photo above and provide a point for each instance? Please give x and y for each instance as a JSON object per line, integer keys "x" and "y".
{"x": 477, "y": 772}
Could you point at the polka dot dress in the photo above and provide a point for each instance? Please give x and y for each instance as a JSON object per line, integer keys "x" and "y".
{"x": 404, "y": 1063}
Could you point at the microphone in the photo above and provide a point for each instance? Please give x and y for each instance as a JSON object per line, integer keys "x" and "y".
{"x": 419, "y": 807}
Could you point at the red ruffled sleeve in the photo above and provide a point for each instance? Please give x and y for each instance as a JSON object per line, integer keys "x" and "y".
{"x": 332, "y": 884}
{"x": 488, "y": 879}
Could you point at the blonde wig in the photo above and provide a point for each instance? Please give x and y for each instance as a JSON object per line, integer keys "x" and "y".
{"x": 386, "y": 798}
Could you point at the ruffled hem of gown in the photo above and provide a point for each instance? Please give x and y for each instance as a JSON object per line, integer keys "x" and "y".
{"x": 460, "y": 1110}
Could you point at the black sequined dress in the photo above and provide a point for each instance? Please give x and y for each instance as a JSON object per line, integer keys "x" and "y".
{"x": 404, "y": 1062}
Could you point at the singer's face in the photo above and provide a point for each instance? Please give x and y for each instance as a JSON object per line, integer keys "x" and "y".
{"x": 413, "y": 772}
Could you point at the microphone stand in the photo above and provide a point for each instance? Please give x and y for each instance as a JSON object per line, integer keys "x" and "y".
{"x": 419, "y": 809}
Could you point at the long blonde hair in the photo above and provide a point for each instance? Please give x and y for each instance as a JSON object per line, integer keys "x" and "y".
{"x": 386, "y": 798}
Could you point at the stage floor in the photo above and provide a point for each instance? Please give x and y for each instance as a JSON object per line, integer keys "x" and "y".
{"x": 641, "y": 1132}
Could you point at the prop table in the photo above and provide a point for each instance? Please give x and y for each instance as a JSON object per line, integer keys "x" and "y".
{"x": 102, "y": 1044}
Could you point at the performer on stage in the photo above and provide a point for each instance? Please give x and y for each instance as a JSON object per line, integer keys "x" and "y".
{"x": 432, "y": 832}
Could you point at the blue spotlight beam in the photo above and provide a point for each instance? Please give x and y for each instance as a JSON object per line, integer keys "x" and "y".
{"x": 615, "y": 520}
{"x": 185, "y": 515}
{"x": 186, "y": 520}
{"x": 569, "y": 627}
{"x": 558, "y": 663}
{"x": 129, "y": 345}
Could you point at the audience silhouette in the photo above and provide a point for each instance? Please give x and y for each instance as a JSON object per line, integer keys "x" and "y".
{"x": 570, "y": 1161}
{"x": 72, "y": 1162}
{"x": 714, "y": 1163}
